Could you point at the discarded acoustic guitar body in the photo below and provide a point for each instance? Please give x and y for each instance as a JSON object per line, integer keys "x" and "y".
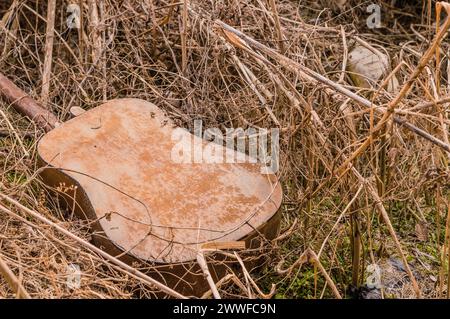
{"x": 116, "y": 162}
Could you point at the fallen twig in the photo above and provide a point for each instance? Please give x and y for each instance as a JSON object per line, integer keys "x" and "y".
{"x": 47, "y": 72}
{"x": 204, "y": 266}
{"x": 12, "y": 280}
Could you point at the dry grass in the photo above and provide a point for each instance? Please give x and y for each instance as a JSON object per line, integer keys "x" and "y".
{"x": 332, "y": 221}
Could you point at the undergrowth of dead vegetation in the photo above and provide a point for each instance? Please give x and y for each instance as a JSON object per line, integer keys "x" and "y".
{"x": 346, "y": 209}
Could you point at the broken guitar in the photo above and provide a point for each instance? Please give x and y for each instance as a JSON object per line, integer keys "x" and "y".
{"x": 115, "y": 164}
